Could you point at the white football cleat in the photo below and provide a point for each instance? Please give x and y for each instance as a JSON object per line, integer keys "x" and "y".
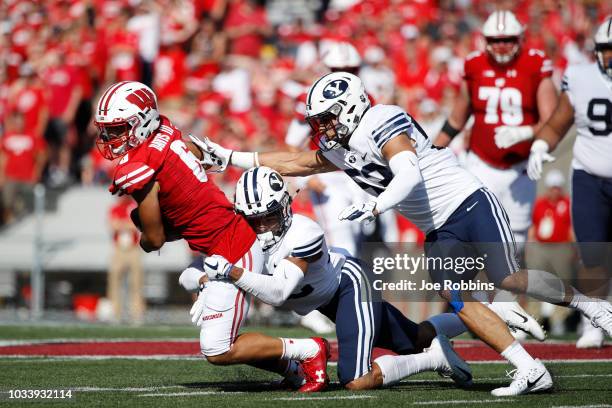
{"x": 518, "y": 319}
{"x": 603, "y": 317}
{"x": 452, "y": 365}
{"x": 592, "y": 337}
{"x": 536, "y": 378}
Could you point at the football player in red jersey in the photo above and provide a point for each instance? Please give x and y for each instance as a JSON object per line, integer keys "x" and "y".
{"x": 509, "y": 92}
{"x": 165, "y": 175}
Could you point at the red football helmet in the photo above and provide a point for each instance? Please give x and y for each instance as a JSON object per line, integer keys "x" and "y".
{"x": 125, "y": 116}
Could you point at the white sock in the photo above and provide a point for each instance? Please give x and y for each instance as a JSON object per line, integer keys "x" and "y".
{"x": 518, "y": 356}
{"x": 299, "y": 349}
{"x": 448, "y": 324}
{"x": 394, "y": 368}
{"x": 585, "y": 304}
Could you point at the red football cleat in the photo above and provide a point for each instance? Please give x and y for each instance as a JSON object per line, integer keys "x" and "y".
{"x": 315, "y": 368}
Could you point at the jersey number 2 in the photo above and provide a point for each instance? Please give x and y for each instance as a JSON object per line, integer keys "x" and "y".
{"x": 509, "y": 100}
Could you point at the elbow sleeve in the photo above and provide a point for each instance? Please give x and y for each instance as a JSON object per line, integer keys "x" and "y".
{"x": 272, "y": 289}
{"x": 406, "y": 176}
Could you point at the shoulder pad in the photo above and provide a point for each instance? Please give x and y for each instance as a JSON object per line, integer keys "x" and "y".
{"x": 388, "y": 122}
{"x": 131, "y": 176}
{"x": 305, "y": 237}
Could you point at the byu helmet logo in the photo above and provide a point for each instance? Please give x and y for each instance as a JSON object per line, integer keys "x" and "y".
{"x": 335, "y": 88}
{"x": 276, "y": 183}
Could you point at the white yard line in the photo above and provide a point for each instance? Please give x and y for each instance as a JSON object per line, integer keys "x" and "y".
{"x": 5, "y": 343}
{"x": 44, "y": 358}
{"x": 187, "y": 394}
{"x": 331, "y": 397}
{"x": 461, "y": 402}
{"x": 584, "y": 406}
{"x": 126, "y": 389}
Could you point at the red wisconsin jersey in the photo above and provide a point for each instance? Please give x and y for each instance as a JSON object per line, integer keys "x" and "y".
{"x": 503, "y": 96}
{"x": 190, "y": 203}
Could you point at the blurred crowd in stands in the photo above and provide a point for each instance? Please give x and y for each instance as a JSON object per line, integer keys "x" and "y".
{"x": 232, "y": 69}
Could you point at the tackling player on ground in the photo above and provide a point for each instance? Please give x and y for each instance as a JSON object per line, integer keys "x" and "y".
{"x": 387, "y": 154}
{"x": 302, "y": 275}
{"x": 586, "y": 100}
{"x": 163, "y": 173}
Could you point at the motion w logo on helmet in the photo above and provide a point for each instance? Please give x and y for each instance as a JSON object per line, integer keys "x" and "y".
{"x": 143, "y": 98}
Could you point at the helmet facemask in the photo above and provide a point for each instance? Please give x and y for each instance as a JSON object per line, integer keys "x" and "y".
{"x": 511, "y": 44}
{"x": 117, "y": 138}
{"x": 272, "y": 224}
{"x": 328, "y": 132}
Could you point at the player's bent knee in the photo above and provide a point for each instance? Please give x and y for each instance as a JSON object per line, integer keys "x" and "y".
{"x": 217, "y": 354}
{"x": 219, "y": 359}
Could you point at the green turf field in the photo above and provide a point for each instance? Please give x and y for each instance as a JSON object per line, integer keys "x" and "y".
{"x": 186, "y": 383}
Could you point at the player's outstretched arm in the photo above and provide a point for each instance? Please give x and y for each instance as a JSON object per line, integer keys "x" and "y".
{"x": 272, "y": 289}
{"x": 296, "y": 163}
{"x": 286, "y": 163}
{"x": 457, "y": 119}
{"x": 153, "y": 236}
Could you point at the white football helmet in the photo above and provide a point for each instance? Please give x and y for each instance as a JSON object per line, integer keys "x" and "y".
{"x": 335, "y": 104}
{"x": 262, "y": 198}
{"x": 502, "y": 29}
{"x": 125, "y": 116}
{"x": 603, "y": 42}
{"x": 341, "y": 56}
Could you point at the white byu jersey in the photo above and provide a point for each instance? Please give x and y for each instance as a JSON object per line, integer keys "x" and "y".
{"x": 305, "y": 239}
{"x": 590, "y": 93}
{"x": 446, "y": 184}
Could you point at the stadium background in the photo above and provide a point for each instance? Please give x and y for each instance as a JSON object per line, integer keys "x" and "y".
{"x": 228, "y": 69}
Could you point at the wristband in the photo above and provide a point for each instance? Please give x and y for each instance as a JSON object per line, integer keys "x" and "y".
{"x": 244, "y": 160}
{"x": 450, "y": 130}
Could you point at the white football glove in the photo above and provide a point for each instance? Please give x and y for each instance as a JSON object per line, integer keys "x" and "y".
{"x": 507, "y": 136}
{"x": 537, "y": 156}
{"x": 217, "y": 267}
{"x": 197, "y": 310}
{"x": 359, "y": 212}
{"x": 215, "y": 157}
